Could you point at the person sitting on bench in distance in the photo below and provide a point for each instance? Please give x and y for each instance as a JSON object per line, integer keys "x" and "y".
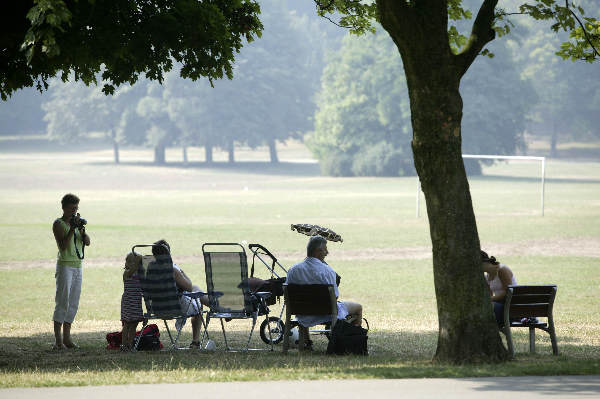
{"x": 184, "y": 284}
{"x": 498, "y": 277}
{"x": 314, "y": 270}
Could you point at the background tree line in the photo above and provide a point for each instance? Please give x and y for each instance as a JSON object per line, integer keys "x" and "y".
{"x": 270, "y": 99}
{"x": 336, "y": 91}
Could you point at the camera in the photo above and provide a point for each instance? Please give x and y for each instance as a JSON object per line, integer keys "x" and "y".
{"x": 82, "y": 222}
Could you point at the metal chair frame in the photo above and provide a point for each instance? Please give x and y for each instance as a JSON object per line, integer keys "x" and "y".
{"x": 253, "y": 303}
{"x": 172, "y": 313}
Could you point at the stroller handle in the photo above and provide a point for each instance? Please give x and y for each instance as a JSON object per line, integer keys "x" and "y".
{"x": 251, "y": 246}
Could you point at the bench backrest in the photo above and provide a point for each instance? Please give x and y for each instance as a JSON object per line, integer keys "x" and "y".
{"x": 310, "y": 299}
{"x": 530, "y": 300}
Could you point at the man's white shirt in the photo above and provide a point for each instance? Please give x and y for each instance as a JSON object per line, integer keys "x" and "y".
{"x": 313, "y": 271}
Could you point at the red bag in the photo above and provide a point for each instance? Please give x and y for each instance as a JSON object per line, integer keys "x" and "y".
{"x": 114, "y": 340}
{"x": 149, "y": 340}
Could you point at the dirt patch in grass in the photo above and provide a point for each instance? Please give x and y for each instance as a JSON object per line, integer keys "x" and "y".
{"x": 584, "y": 247}
{"x": 577, "y": 246}
{"x": 580, "y": 247}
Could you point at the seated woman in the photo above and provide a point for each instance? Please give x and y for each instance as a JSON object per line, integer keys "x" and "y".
{"x": 498, "y": 277}
{"x": 184, "y": 284}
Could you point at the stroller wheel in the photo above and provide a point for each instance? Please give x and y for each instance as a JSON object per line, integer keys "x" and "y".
{"x": 276, "y": 326}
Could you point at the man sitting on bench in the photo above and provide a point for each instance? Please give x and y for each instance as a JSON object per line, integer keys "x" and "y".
{"x": 314, "y": 270}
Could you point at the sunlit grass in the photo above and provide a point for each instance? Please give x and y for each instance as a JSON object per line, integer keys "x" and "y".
{"x": 384, "y": 262}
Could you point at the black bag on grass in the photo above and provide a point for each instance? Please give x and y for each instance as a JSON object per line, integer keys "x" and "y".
{"x": 149, "y": 338}
{"x": 347, "y": 339}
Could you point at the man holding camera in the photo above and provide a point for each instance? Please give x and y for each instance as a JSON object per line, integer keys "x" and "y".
{"x": 71, "y": 239}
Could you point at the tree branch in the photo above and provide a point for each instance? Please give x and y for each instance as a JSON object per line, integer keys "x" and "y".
{"x": 335, "y": 23}
{"x": 505, "y": 14}
{"x": 481, "y": 34}
{"x": 395, "y": 13}
{"x": 330, "y": 6}
{"x": 582, "y": 28}
{"x": 354, "y": 14}
{"x": 322, "y": 6}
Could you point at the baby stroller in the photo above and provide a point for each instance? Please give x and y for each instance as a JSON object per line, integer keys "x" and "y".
{"x": 272, "y": 328}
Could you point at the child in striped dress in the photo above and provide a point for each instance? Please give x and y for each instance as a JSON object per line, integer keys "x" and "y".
{"x": 131, "y": 301}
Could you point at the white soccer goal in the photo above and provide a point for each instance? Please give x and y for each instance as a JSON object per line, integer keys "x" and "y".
{"x": 516, "y": 157}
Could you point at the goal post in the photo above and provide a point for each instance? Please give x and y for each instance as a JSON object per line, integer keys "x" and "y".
{"x": 514, "y": 157}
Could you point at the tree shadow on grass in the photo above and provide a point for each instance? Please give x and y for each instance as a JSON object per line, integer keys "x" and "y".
{"x": 38, "y": 143}
{"x": 402, "y": 354}
{"x": 579, "y": 154}
{"x": 301, "y": 169}
{"x": 25, "y": 354}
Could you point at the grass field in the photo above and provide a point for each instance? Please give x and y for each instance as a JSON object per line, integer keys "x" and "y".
{"x": 384, "y": 261}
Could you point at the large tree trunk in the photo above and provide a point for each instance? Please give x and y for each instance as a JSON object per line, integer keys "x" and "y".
{"x": 467, "y": 328}
{"x": 273, "y": 151}
{"x": 159, "y": 154}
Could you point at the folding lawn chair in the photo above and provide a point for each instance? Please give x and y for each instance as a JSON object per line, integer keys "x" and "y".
{"x": 228, "y": 288}
{"x": 162, "y": 298}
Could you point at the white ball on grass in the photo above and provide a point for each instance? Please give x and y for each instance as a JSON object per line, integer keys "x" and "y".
{"x": 294, "y": 337}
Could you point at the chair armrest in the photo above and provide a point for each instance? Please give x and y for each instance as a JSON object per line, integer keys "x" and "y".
{"x": 195, "y": 295}
{"x": 263, "y": 295}
{"x": 216, "y": 294}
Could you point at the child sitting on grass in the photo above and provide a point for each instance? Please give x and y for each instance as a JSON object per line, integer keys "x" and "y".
{"x": 131, "y": 301}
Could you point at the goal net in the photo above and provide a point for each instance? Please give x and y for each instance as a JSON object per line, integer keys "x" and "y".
{"x": 542, "y": 161}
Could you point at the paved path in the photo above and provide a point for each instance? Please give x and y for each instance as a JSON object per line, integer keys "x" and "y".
{"x": 553, "y": 387}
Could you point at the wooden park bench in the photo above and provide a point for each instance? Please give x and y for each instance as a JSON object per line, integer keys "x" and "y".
{"x": 523, "y": 305}
{"x": 307, "y": 299}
